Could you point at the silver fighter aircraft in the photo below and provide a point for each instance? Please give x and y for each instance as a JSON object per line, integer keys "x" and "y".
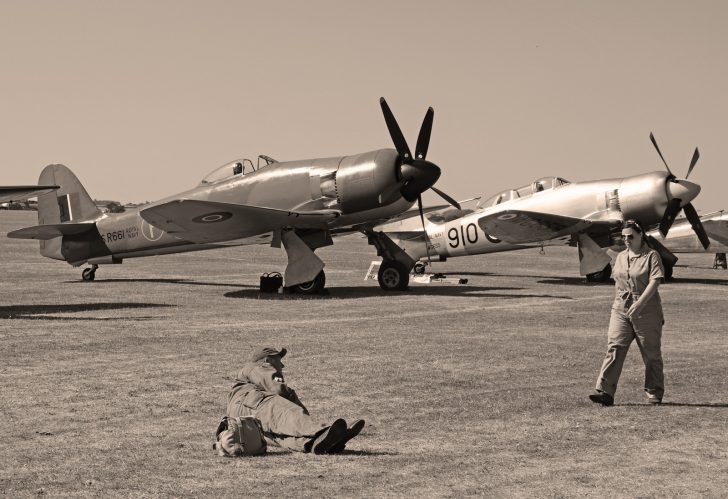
{"x": 549, "y": 211}
{"x": 299, "y": 204}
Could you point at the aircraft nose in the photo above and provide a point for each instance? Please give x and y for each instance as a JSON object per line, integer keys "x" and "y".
{"x": 683, "y": 190}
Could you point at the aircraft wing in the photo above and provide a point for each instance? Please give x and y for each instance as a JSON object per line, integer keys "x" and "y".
{"x": 520, "y": 227}
{"x": 44, "y": 232}
{"x": 21, "y": 192}
{"x": 717, "y": 229}
{"x": 210, "y": 221}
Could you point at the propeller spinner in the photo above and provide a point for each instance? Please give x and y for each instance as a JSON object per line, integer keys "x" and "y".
{"x": 679, "y": 191}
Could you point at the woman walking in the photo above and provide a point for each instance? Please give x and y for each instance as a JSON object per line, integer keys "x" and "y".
{"x": 636, "y": 315}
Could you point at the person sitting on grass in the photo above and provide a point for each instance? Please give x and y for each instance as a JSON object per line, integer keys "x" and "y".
{"x": 260, "y": 391}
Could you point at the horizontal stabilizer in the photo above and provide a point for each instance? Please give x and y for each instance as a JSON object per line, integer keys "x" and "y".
{"x": 520, "y": 227}
{"x": 21, "y": 192}
{"x": 45, "y": 232}
{"x": 210, "y": 221}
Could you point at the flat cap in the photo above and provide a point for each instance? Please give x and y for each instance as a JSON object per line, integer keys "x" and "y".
{"x": 262, "y": 353}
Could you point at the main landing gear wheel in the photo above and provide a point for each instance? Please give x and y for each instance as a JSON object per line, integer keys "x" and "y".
{"x": 311, "y": 287}
{"x": 89, "y": 274}
{"x": 419, "y": 268}
{"x": 393, "y": 276}
{"x": 601, "y": 276}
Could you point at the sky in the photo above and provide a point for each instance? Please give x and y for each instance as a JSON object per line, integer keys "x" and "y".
{"x": 141, "y": 99}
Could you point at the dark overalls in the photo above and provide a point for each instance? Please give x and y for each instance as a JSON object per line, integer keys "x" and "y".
{"x": 260, "y": 391}
{"x": 631, "y": 277}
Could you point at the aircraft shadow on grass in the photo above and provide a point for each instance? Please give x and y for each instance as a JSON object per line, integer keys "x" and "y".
{"x": 40, "y": 312}
{"x": 573, "y": 281}
{"x": 545, "y": 279}
{"x": 163, "y": 281}
{"x": 690, "y": 280}
{"x": 352, "y": 292}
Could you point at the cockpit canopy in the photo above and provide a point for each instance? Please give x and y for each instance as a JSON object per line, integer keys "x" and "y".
{"x": 542, "y": 184}
{"x": 237, "y": 167}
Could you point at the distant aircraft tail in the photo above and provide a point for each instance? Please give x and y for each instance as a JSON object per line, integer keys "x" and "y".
{"x": 70, "y": 203}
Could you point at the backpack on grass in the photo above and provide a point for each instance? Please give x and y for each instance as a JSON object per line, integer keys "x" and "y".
{"x": 240, "y": 436}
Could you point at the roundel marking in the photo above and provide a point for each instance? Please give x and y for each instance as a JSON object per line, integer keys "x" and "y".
{"x": 507, "y": 216}
{"x": 150, "y": 232}
{"x": 210, "y": 218}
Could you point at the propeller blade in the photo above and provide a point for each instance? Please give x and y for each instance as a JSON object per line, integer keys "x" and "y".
{"x": 395, "y": 132}
{"x": 446, "y": 198}
{"x": 427, "y": 237}
{"x": 673, "y": 208}
{"x": 423, "y": 139}
{"x": 697, "y": 225}
{"x": 654, "y": 143}
{"x": 696, "y": 155}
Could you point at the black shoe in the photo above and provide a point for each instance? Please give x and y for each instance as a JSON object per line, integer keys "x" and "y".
{"x": 601, "y": 398}
{"x": 654, "y": 399}
{"x": 330, "y": 437}
{"x": 353, "y": 431}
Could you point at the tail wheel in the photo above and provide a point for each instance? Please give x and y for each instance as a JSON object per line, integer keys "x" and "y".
{"x": 419, "y": 268}
{"x": 88, "y": 274}
{"x": 311, "y": 287}
{"x": 393, "y": 276}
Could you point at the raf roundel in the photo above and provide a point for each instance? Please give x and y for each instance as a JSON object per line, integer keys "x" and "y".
{"x": 210, "y": 218}
{"x": 507, "y": 216}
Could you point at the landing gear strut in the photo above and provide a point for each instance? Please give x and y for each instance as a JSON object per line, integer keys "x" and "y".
{"x": 720, "y": 261}
{"x": 89, "y": 274}
{"x": 396, "y": 264}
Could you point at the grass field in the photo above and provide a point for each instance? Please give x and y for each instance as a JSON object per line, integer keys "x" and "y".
{"x": 115, "y": 387}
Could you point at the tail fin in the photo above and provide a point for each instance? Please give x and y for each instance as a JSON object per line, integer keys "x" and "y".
{"x": 70, "y": 203}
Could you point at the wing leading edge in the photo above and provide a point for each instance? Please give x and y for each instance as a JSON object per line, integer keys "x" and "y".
{"x": 520, "y": 227}
{"x": 209, "y": 221}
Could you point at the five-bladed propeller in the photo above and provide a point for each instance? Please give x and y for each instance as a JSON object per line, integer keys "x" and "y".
{"x": 677, "y": 190}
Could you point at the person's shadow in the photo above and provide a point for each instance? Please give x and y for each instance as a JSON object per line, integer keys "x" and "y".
{"x": 678, "y": 404}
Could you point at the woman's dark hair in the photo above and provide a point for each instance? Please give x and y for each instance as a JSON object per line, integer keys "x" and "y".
{"x": 632, "y": 224}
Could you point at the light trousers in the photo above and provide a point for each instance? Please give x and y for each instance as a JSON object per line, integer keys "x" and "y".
{"x": 646, "y": 330}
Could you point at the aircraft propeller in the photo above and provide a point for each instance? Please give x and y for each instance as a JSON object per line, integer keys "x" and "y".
{"x": 414, "y": 174}
{"x": 676, "y": 190}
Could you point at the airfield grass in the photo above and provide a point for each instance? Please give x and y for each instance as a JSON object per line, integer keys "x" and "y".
{"x": 115, "y": 387}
